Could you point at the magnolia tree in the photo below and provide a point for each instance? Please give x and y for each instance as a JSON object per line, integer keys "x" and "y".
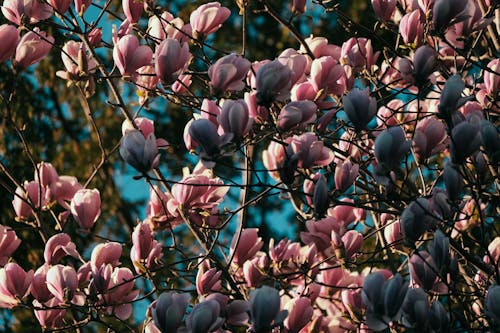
{"x": 377, "y": 157}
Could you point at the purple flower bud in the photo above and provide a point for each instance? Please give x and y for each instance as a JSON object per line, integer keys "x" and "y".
{"x": 439, "y": 318}
{"x": 390, "y": 147}
{"x": 140, "y": 152}
{"x": 265, "y": 306}
{"x": 424, "y": 62}
{"x": 234, "y": 118}
{"x": 384, "y": 8}
{"x": 423, "y": 270}
{"x": 204, "y": 133}
{"x": 465, "y": 141}
{"x": 416, "y": 218}
{"x": 168, "y": 310}
{"x": 320, "y": 197}
{"x": 440, "y": 203}
{"x": 453, "y": 181}
{"x": 493, "y": 304}
{"x": 429, "y": 139}
{"x": 450, "y": 96}
{"x": 274, "y": 81}
{"x": 171, "y": 60}
{"x": 228, "y": 73}
{"x": 345, "y": 174}
{"x": 440, "y": 250}
{"x": 383, "y": 299}
{"x": 359, "y": 107}
{"x": 490, "y": 140}
{"x": 446, "y": 13}
{"x": 204, "y": 317}
{"x": 297, "y": 114}
{"x": 416, "y": 310}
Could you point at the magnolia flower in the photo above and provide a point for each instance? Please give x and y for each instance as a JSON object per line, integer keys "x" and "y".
{"x": 171, "y": 60}
{"x": 86, "y": 207}
{"x": 129, "y": 56}
{"x": 208, "y": 18}
{"x": 32, "y": 48}
{"x": 9, "y": 35}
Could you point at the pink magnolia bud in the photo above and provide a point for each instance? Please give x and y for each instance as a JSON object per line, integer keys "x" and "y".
{"x": 309, "y": 187}
{"x": 15, "y": 284}
{"x": 107, "y": 253}
{"x": 353, "y": 241}
{"x": 62, "y": 282}
{"x": 39, "y": 288}
{"x": 208, "y": 18}
{"x": 273, "y": 81}
{"x": 95, "y": 37}
{"x": 60, "y": 6}
{"x": 166, "y": 26}
{"x": 45, "y": 174}
{"x": 345, "y": 175}
{"x": 15, "y": 10}
{"x": 9, "y": 36}
{"x": 411, "y": 28}
{"x": 384, "y": 8}
{"x": 258, "y": 113}
{"x": 157, "y": 25}
{"x": 146, "y": 251}
{"x": 119, "y": 293}
{"x": 132, "y": 10}
{"x": 297, "y": 62}
{"x": 207, "y": 279}
{"x": 9, "y": 242}
{"x": 25, "y": 199}
{"x": 429, "y": 138}
{"x": 319, "y": 233}
{"x": 491, "y": 80}
{"x": 32, "y": 48}
{"x": 228, "y": 73}
{"x": 299, "y": 6}
{"x": 392, "y": 233}
{"x": 297, "y": 114}
{"x": 347, "y": 214}
{"x": 253, "y": 270}
{"x": 182, "y": 84}
{"x": 310, "y": 151}
{"x": 319, "y": 47}
{"x": 52, "y": 317}
{"x": 86, "y": 207}
{"x": 129, "y": 56}
{"x": 300, "y": 313}
{"x": 234, "y": 118}
{"x": 64, "y": 189}
{"x": 82, "y": 5}
{"x": 57, "y": 247}
{"x": 358, "y": 53}
{"x": 327, "y": 75}
{"x": 171, "y": 60}
{"x": 246, "y": 247}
